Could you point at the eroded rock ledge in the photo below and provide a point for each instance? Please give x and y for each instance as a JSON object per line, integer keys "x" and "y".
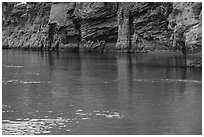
{"x": 104, "y": 26}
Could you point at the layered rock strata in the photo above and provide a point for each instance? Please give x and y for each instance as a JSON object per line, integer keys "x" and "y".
{"x": 100, "y": 26}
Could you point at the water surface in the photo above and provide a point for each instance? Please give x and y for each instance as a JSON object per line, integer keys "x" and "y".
{"x": 92, "y": 93}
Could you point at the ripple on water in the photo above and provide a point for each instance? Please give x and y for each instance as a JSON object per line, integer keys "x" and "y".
{"x": 167, "y": 80}
{"x": 5, "y": 106}
{"x": 108, "y": 114}
{"x": 31, "y": 126}
{"x": 12, "y": 66}
{"x": 31, "y": 73}
{"x": 81, "y": 114}
{"x": 46, "y": 132}
{"x": 182, "y": 80}
{"x": 16, "y": 81}
{"x": 47, "y": 126}
{"x": 105, "y": 114}
{"x": 85, "y": 118}
{"x": 79, "y": 110}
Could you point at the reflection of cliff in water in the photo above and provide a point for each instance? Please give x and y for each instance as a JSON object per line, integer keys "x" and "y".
{"x": 158, "y": 60}
{"x": 144, "y": 86}
{"x": 154, "y": 97}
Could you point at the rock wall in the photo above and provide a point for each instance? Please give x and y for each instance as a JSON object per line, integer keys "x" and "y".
{"x": 126, "y": 27}
{"x": 190, "y": 15}
{"x": 123, "y": 42}
{"x": 25, "y": 25}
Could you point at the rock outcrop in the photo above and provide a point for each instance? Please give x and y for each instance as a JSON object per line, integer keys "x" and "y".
{"x": 124, "y": 27}
{"x": 190, "y": 14}
{"x": 99, "y": 26}
{"x": 25, "y": 26}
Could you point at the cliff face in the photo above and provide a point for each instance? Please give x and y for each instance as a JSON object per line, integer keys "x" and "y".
{"x": 190, "y": 15}
{"x": 131, "y": 27}
{"x": 143, "y": 25}
{"x": 84, "y": 25}
{"x": 24, "y": 25}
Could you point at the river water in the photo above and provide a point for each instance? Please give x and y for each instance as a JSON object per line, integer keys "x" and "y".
{"x": 93, "y": 93}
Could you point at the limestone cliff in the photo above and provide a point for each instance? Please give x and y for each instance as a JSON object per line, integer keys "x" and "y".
{"x": 190, "y": 14}
{"x": 126, "y": 27}
{"x": 24, "y": 25}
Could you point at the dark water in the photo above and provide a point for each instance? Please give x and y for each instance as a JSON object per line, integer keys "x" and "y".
{"x": 70, "y": 93}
